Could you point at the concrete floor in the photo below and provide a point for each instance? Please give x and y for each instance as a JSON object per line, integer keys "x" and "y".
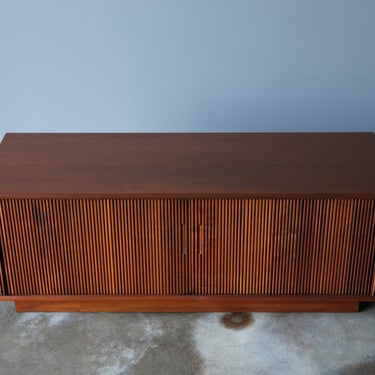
{"x": 186, "y": 343}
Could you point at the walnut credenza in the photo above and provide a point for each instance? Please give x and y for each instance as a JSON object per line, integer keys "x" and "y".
{"x": 187, "y": 222}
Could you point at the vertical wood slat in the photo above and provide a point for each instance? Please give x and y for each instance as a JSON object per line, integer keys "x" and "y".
{"x": 15, "y": 256}
{"x": 354, "y": 241}
{"x": 177, "y": 246}
{"x": 2, "y": 284}
{"x": 154, "y": 261}
{"x": 126, "y": 266}
{"x": 2, "y": 278}
{"x": 6, "y": 247}
{"x": 370, "y": 264}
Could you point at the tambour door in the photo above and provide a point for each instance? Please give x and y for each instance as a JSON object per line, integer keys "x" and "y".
{"x": 240, "y": 247}
{"x": 344, "y": 247}
{"x": 194, "y": 246}
{"x": 95, "y": 246}
{"x": 2, "y": 286}
{"x": 283, "y": 246}
{"x": 244, "y": 246}
{"x": 360, "y": 270}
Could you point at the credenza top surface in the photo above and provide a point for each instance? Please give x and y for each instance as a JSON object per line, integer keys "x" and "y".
{"x": 187, "y": 164}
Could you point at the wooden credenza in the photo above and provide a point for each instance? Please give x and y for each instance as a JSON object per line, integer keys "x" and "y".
{"x": 187, "y": 222}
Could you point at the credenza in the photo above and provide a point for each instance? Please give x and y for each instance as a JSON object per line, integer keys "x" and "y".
{"x": 187, "y": 221}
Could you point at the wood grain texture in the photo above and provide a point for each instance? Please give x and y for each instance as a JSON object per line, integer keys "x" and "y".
{"x": 257, "y": 247}
{"x": 183, "y": 304}
{"x": 2, "y": 284}
{"x": 181, "y": 165}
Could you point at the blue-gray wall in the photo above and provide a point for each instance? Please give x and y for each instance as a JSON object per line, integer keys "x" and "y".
{"x": 194, "y": 65}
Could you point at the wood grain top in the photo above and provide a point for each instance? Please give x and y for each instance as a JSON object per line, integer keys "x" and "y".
{"x": 187, "y": 165}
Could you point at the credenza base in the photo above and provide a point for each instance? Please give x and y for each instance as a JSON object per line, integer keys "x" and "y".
{"x": 185, "y": 304}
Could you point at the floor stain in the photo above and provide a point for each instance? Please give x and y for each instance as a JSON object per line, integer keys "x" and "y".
{"x": 174, "y": 352}
{"x": 237, "y": 320}
{"x": 362, "y": 368}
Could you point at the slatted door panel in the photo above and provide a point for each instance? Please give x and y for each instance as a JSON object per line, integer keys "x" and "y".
{"x": 250, "y": 246}
{"x": 361, "y": 265}
{"x": 2, "y": 285}
{"x": 284, "y": 246}
{"x": 344, "y": 256}
{"x": 198, "y": 246}
{"x": 333, "y": 249}
{"x": 99, "y": 246}
{"x": 218, "y": 246}
{"x": 221, "y": 257}
{"x": 206, "y": 252}
{"x": 2, "y": 264}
